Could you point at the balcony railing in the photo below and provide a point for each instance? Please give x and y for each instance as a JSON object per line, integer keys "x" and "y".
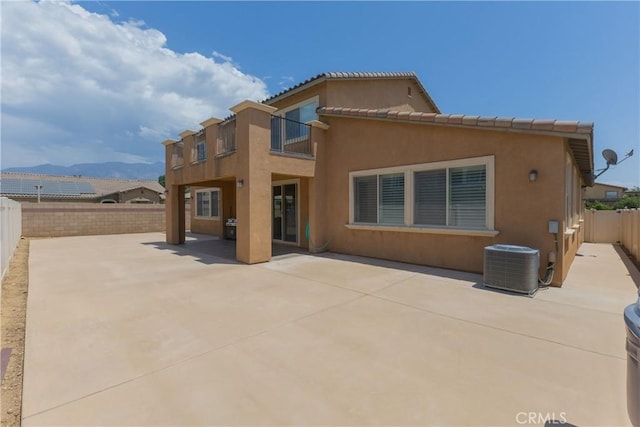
{"x": 290, "y": 137}
{"x": 226, "y": 137}
{"x": 177, "y": 159}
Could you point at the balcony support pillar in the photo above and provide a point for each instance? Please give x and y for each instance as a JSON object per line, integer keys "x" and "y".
{"x": 253, "y": 182}
{"x": 175, "y": 215}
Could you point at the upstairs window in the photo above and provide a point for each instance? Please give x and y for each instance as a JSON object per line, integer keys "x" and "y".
{"x": 300, "y": 113}
{"x": 200, "y": 147}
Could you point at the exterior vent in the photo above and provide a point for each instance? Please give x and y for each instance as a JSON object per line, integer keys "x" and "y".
{"x": 512, "y": 268}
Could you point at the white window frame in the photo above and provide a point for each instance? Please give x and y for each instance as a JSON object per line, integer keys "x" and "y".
{"x": 283, "y": 113}
{"x": 211, "y": 216}
{"x": 202, "y": 144}
{"x": 409, "y": 171}
{"x": 199, "y": 143}
{"x": 572, "y": 196}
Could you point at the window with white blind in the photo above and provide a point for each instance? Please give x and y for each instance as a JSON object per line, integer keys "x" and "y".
{"x": 208, "y": 203}
{"x": 379, "y": 199}
{"x": 456, "y": 194}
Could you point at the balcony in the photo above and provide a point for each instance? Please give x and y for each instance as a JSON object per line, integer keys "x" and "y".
{"x": 177, "y": 158}
{"x": 226, "y": 143}
{"x": 291, "y": 137}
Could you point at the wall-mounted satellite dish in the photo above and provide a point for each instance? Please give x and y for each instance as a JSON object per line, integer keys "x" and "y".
{"x": 610, "y": 156}
{"x": 612, "y": 159}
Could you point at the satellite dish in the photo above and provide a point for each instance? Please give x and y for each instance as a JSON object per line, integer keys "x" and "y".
{"x": 610, "y": 156}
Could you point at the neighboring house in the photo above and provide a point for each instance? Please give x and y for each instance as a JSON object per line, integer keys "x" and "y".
{"x": 366, "y": 164}
{"x": 24, "y": 187}
{"x": 604, "y": 193}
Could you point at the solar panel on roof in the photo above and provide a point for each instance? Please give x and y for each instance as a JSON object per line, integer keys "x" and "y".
{"x": 50, "y": 187}
{"x": 10, "y": 186}
{"x": 68, "y": 188}
{"x": 29, "y": 186}
{"x": 85, "y": 188}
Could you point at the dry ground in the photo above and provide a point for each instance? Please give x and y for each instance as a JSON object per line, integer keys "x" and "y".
{"x": 13, "y": 315}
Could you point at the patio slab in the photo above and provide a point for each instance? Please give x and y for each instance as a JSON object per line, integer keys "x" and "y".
{"x": 124, "y": 330}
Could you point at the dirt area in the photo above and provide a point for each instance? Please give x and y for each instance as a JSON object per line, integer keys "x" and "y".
{"x": 13, "y": 316}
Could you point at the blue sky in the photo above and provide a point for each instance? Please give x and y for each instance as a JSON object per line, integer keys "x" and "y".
{"x": 567, "y": 61}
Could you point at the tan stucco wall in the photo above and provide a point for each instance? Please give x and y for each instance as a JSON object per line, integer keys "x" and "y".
{"x": 134, "y": 193}
{"x": 522, "y": 208}
{"x": 213, "y": 226}
{"x": 391, "y": 94}
{"x": 598, "y": 191}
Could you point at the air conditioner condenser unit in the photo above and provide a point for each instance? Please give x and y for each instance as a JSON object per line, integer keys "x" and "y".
{"x": 512, "y": 268}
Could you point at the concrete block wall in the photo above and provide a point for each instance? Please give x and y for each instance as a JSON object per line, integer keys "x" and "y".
{"x": 81, "y": 219}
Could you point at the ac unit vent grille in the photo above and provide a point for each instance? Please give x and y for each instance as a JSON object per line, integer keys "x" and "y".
{"x": 513, "y": 268}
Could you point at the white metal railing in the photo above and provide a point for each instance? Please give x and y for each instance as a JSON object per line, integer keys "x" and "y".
{"x": 290, "y": 137}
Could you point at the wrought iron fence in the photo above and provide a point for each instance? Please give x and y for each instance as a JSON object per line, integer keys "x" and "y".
{"x": 226, "y": 137}
{"x": 290, "y": 137}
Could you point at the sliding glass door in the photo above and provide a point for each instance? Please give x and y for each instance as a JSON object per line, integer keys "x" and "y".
{"x": 285, "y": 212}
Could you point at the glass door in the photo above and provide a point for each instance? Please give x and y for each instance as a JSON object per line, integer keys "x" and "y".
{"x": 285, "y": 213}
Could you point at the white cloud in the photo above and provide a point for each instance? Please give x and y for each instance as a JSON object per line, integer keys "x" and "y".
{"x": 218, "y": 55}
{"x": 70, "y": 77}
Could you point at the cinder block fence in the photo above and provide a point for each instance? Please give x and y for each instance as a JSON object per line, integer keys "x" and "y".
{"x": 80, "y": 219}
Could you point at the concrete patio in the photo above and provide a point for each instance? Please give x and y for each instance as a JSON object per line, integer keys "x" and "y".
{"x": 126, "y": 330}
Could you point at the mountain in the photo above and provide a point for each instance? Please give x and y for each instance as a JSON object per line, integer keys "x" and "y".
{"x": 99, "y": 170}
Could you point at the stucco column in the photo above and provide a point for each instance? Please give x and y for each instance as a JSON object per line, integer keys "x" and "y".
{"x": 318, "y": 236}
{"x": 253, "y": 178}
{"x": 175, "y": 215}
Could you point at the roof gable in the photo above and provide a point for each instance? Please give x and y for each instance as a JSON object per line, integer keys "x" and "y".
{"x": 320, "y": 78}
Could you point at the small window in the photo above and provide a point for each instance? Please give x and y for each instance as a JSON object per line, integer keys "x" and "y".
{"x": 611, "y": 194}
{"x": 208, "y": 203}
{"x": 200, "y": 147}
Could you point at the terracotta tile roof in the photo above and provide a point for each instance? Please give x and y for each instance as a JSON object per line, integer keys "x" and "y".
{"x": 578, "y": 134}
{"x": 465, "y": 120}
{"x": 351, "y": 76}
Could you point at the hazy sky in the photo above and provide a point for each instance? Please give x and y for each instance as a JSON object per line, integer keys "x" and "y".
{"x": 109, "y": 81}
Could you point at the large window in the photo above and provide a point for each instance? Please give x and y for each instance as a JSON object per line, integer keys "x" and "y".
{"x": 208, "y": 203}
{"x": 453, "y": 194}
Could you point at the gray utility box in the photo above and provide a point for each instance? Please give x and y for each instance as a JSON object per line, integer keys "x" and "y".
{"x": 632, "y": 320}
{"x": 512, "y": 268}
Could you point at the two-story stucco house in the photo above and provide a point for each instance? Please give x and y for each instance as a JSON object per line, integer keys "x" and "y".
{"x": 366, "y": 164}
